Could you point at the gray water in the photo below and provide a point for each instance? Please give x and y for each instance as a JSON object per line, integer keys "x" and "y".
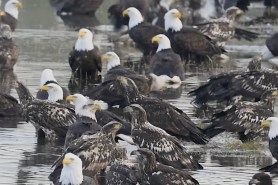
{"x": 45, "y": 42}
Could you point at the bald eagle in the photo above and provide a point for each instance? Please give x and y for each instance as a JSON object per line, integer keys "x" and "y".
{"x": 160, "y": 174}
{"x": 165, "y": 61}
{"x": 10, "y": 14}
{"x": 76, "y": 7}
{"x": 223, "y": 29}
{"x": 72, "y": 164}
{"x": 272, "y": 123}
{"x": 50, "y": 117}
{"x": 167, "y": 148}
{"x": 188, "y": 41}
{"x": 123, "y": 92}
{"x": 96, "y": 151}
{"x": 85, "y": 59}
{"x": 9, "y": 51}
{"x": 141, "y": 32}
{"x": 47, "y": 77}
{"x": 251, "y": 84}
{"x": 91, "y": 116}
{"x": 243, "y": 117}
{"x": 260, "y": 179}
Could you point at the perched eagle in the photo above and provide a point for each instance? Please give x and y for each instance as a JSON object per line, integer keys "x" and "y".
{"x": 96, "y": 151}
{"x": 243, "y": 117}
{"x": 260, "y": 179}
{"x": 47, "y": 77}
{"x": 223, "y": 29}
{"x": 9, "y": 51}
{"x": 123, "y": 92}
{"x": 91, "y": 116}
{"x": 165, "y": 61}
{"x": 251, "y": 84}
{"x": 72, "y": 164}
{"x": 167, "y": 148}
{"x": 188, "y": 41}
{"x": 50, "y": 117}
{"x": 10, "y": 14}
{"x": 160, "y": 174}
{"x": 85, "y": 59}
{"x": 272, "y": 123}
{"x": 141, "y": 32}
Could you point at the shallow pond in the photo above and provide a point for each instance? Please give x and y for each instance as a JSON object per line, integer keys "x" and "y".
{"x": 45, "y": 42}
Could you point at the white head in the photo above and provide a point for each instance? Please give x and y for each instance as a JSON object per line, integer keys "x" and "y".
{"x": 84, "y": 41}
{"x": 172, "y": 20}
{"x": 272, "y": 123}
{"x": 112, "y": 60}
{"x": 163, "y": 42}
{"x": 72, "y": 170}
{"x": 82, "y": 107}
{"x": 47, "y": 75}
{"x": 135, "y": 17}
{"x": 55, "y": 92}
{"x": 11, "y": 7}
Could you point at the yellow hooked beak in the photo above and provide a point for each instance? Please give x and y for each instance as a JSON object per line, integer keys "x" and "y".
{"x": 265, "y": 123}
{"x": 104, "y": 58}
{"x": 69, "y": 98}
{"x": 177, "y": 14}
{"x": 96, "y": 107}
{"x": 155, "y": 39}
{"x": 44, "y": 88}
{"x": 125, "y": 13}
{"x": 66, "y": 161}
{"x": 18, "y": 5}
{"x": 81, "y": 34}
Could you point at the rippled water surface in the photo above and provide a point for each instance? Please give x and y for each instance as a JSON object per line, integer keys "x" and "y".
{"x": 45, "y": 42}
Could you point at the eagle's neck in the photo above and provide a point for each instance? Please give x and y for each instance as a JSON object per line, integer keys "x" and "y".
{"x": 113, "y": 63}
{"x": 84, "y": 44}
{"x": 173, "y": 23}
{"x": 135, "y": 20}
{"x": 71, "y": 175}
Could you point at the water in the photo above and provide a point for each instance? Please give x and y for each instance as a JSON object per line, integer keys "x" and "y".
{"x": 45, "y": 42}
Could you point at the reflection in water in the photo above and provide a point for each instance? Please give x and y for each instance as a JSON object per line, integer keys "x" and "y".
{"x": 79, "y": 85}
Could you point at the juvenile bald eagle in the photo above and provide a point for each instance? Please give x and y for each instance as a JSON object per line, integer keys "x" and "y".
{"x": 124, "y": 92}
{"x": 96, "y": 151}
{"x": 272, "y": 123}
{"x": 141, "y": 32}
{"x": 260, "y": 179}
{"x": 47, "y": 77}
{"x": 10, "y": 14}
{"x": 72, "y": 164}
{"x": 250, "y": 84}
{"x": 76, "y": 7}
{"x": 9, "y": 51}
{"x": 160, "y": 174}
{"x": 85, "y": 59}
{"x": 223, "y": 29}
{"x": 167, "y": 148}
{"x": 188, "y": 41}
{"x": 243, "y": 117}
{"x": 50, "y": 117}
{"x": 165, "y": 61}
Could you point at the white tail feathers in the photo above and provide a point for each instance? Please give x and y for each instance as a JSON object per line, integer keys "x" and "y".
{"x": 162, "y": 82}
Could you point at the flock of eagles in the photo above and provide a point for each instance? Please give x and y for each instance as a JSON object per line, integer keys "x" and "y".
{"x": 122, "y": 106}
